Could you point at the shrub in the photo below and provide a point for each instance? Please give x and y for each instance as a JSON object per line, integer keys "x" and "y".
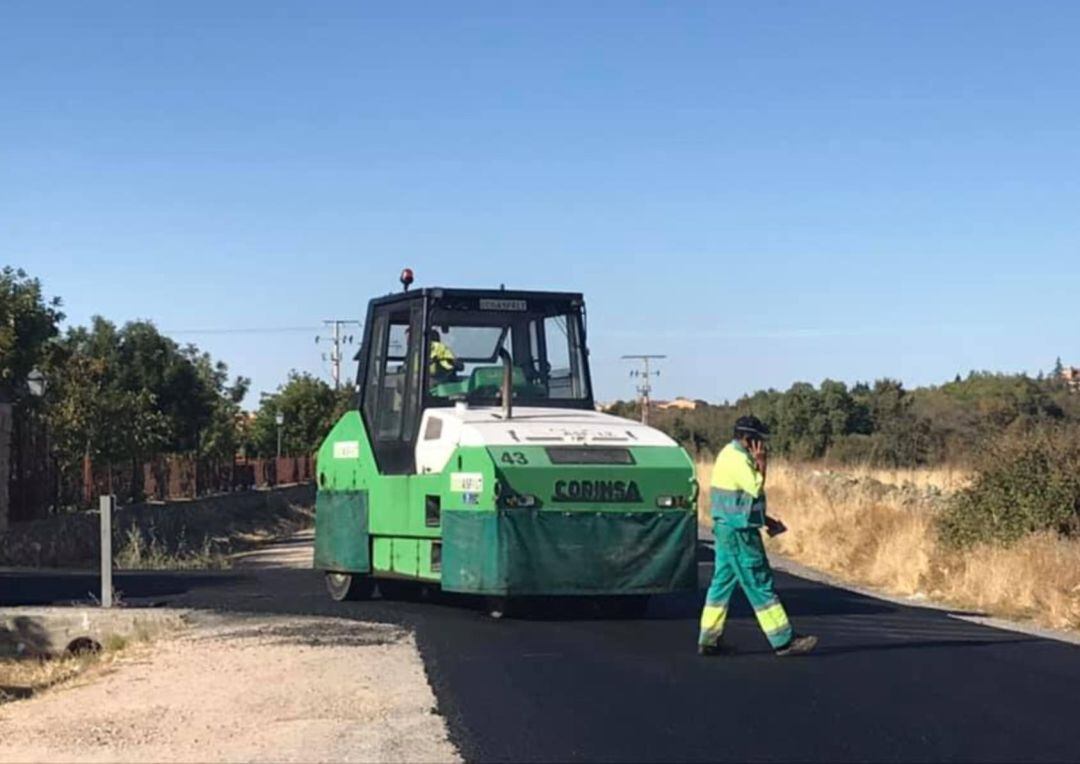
{"x": 1024, "y": 483}
{"x": 149, "y": 552}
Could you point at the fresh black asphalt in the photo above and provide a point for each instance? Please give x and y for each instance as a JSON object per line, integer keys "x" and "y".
{"x": 888, "y": 682}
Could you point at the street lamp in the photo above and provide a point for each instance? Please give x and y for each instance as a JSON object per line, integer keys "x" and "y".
{"x": 279, "y": 419}
{"x": 37, "y": 383}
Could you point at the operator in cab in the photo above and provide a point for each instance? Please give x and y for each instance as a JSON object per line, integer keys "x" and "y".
{"x": 739, "y": 513}
{"x": 444, "y": 364}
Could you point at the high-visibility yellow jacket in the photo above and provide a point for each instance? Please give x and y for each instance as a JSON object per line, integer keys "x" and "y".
{"x": 738, "y": 488}
{"x": 442, "y": 358}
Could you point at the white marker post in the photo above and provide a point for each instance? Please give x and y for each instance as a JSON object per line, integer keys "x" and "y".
{"x": 107, "y": 505}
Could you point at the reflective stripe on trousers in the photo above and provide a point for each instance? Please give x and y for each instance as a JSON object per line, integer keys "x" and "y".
{"x": 712, "y": 623}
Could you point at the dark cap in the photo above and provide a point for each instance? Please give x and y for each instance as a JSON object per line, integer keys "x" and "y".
{"x": 752, "y": 427}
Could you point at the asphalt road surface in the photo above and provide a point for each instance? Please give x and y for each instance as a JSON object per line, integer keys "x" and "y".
{"x": 568, "y": 683}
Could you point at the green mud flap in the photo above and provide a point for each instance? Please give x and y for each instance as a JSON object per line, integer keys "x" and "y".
{"x": 522, "y": 551}
{"x": 341, "y": 531}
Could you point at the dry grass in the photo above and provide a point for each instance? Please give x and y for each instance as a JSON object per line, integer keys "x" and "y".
{"x": 867, "y": 533}
{"x": 27, "y": 675}
{"x": 148, "y": 552}
{"x": 22, "y": 678}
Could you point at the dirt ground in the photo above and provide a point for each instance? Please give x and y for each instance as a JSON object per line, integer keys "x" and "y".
{"x": 249, "y": 689}
{"x": 242, "y": 688}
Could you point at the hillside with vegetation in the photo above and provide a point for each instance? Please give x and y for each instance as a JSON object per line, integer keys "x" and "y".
{"x": 882, "y": 423}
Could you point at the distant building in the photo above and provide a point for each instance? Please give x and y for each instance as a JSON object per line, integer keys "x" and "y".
{"x": 1070, "y": 375}
{"x": 680, "y": 403}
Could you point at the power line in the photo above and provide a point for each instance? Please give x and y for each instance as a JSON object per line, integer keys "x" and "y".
{"x": 645, "y": 374}
{"x": 338, "y": 340}
{"x": 248, "y": 330}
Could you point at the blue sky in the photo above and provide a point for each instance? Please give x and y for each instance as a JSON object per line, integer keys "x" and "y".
{"x": 766, "y": 192}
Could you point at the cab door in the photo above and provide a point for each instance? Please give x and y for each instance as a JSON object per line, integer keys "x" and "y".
{"x": 391, "y": 393}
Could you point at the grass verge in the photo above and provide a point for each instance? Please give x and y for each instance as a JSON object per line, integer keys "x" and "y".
{"x": 155, "y": 548}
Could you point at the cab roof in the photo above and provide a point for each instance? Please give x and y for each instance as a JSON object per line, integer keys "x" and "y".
{"x": 437, "y": 293}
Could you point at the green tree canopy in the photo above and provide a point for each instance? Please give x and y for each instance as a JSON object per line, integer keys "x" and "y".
{"x": 27, "y": 323}
{"x": 310, "y": 408}
{"x": 124, "y": 394}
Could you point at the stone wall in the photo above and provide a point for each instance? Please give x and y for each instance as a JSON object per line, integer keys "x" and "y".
{"x": 73, "y": 540}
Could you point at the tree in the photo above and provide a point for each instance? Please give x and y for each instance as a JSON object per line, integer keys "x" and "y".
{"x": 92, "y": 413}
{"x": 901, "y": 438}
{"x": 221, "y": 433}
{"x": 27, "y": 323}
{"x": 801, "y": 424}
{"x": 625, "y": 409}
{"x": 310, "y": 408}
{"x": 122, "y": 395}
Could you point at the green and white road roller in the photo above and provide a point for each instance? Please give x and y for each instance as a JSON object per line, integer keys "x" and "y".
{"x": 475, "y": 460}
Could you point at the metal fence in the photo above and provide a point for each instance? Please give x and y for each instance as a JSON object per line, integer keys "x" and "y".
{"x": 31, "y": 479}
{"x": 174, "y": 476}
{"x": 39, "y": 487}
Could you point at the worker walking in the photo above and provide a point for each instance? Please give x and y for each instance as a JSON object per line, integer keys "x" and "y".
{"x": 739, "y": 512}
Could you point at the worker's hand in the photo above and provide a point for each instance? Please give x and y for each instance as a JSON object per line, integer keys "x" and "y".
{"x": 761, "y": 456}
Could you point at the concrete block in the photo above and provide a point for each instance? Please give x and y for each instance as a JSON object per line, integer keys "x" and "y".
{"x": 47, "y": 631}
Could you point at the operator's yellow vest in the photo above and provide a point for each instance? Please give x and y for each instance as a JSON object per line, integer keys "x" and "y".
{"x": 442, "y": 358}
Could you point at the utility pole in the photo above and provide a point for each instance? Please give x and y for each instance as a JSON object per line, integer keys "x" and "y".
{"x": 337, "y": 340}
{"x": 645, "y": 374}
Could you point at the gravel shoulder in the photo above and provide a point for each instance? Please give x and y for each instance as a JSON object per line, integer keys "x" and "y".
{"x": 242, "y": 687}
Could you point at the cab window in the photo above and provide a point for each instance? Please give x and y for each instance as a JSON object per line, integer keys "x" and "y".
{"x": 465, "y": 356}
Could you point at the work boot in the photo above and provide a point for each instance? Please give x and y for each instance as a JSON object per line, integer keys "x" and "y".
{"x": 709, "y": 651}
{"x": 799, "y": 645}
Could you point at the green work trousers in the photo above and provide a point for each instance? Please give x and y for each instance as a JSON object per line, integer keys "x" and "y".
{"x": 740, "y": 559}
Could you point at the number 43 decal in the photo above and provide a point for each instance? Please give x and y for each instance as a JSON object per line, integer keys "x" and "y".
{"x": 513, "y": 457}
